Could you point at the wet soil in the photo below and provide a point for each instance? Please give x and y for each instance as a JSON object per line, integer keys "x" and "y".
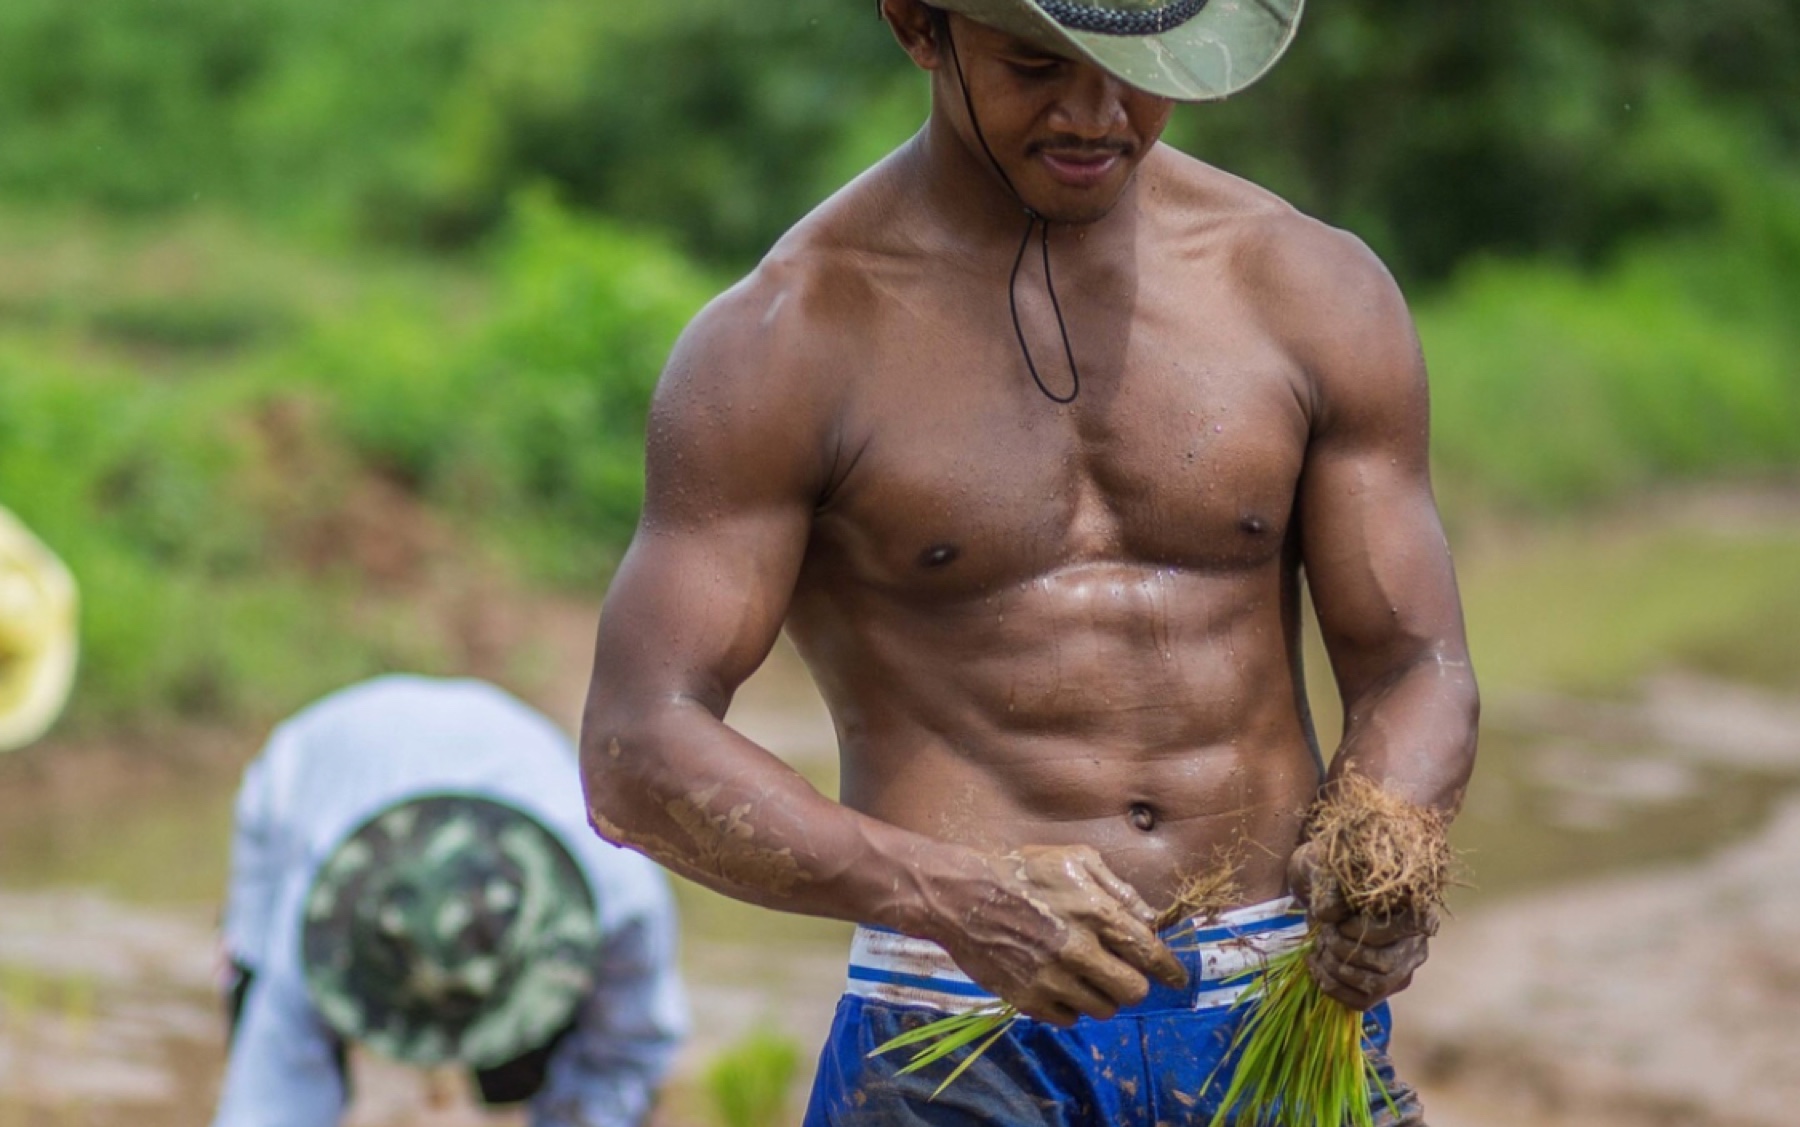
{"x": 1640, "y": 992}
{"x": 1666, "y": 997}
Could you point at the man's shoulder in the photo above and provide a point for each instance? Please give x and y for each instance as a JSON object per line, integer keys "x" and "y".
{"x": 805, "y": 282}
{"x": 767, "y": 338}
{"x": 1318, "y": 289}
{"x": 1269, "y": 240}
{"x": 761, "y": 375}
{"x": 785, "y": 303}
{"x": 791, "y": 325}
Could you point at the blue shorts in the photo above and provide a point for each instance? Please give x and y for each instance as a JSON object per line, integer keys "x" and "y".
{"x": 1155, "y": 1064}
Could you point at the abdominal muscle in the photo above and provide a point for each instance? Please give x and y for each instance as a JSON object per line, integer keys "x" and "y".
{"x": 1151, "y": 714}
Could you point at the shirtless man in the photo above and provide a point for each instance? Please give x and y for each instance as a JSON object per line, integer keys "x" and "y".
{"x": 1050, "y": 594}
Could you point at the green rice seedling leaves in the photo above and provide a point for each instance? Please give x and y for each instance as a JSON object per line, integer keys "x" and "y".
{"x": 749, "y": 1080}
{"x": 1300, "y": 1055}
{"x": 944, "y": 1036}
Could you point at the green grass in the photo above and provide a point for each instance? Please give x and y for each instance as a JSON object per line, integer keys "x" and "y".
{"x": 976, "y": 1031}
{"x": 1595, "y": 610}
{"x": 1552, "y": 389}
{"x": 749, "y": 1082}
{"x": 231, "y": 442}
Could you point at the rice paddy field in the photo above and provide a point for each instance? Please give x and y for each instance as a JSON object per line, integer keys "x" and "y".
{"x": 1632, "y": 818}
{"x": 326, "y": 335}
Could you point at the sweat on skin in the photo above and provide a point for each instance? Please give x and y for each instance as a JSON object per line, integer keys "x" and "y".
{"x": 1077, "y": 621}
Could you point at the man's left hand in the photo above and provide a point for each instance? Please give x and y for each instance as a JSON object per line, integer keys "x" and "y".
{"x": 1359, "y": 960}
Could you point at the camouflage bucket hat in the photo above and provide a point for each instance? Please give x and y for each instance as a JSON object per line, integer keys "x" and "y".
{"x": 1188, "y": 50}
{"x": 450, "y": 928}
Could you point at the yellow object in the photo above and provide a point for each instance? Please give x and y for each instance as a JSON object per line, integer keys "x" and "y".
{"x": 38, "y": 636}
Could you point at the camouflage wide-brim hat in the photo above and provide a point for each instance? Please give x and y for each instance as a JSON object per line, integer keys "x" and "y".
{"x": 450, "y": 928}
{"x": 1188, "y": 50}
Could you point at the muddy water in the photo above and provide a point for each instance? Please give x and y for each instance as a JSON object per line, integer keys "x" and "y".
{"x": 109, "y": 872}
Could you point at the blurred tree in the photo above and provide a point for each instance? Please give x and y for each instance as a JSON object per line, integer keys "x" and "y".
{"x": 712, "y": 120}
{"x": 1540, "y": 126}
{"x": 1437, "y": 130}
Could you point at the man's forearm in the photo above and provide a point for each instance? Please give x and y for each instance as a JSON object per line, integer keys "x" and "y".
{"x": 694, "y": 795}
{"x": 1415, "y": 732}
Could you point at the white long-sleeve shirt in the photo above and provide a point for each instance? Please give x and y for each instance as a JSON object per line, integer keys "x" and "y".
{"x": 334, "y": 765}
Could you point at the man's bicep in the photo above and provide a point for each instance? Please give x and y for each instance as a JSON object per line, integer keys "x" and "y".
{"x": 1378, "y": 567}
{"x": 695, "y": 610}
{"x": 1373, "y": 546}
{"x": 1381, "y": 579}
{"x": 734, "y": 465}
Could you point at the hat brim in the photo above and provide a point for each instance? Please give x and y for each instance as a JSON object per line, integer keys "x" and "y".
{"x": 1224, "y": 48}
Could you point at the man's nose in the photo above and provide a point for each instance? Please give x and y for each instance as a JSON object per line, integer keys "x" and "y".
{"x": 1092, "y": 107}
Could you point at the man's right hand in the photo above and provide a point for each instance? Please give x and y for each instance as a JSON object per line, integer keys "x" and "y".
{"x": 1056, "y": 933}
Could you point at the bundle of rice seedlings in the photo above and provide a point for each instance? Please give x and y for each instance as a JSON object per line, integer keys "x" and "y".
{"x": 1301, "y": 1061}
{"x": 1201, "y": 898}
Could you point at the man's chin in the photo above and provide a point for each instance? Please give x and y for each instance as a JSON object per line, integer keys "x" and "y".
{"x": 1078, "y": 207}
{"x": 1080, "y": 213}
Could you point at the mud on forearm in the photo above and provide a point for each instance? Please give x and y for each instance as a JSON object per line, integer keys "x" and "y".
{"x": 757, "y": 831}
{"x": 708, "y": 835}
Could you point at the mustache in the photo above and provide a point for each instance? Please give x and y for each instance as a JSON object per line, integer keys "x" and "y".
{"x": 1080, "y": 148}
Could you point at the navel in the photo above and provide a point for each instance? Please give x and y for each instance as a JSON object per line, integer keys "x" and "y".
{"x": 1141, "y": 817}
{"x": 1252, "y": 524}
{"x": 939, "y": 555}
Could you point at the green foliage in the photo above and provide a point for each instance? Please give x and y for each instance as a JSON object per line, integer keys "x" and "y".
{"x": 417, "y": 121}
{"x": 1441, "y": 130}
{"x": 160, "y": 500}
{"x": 207, "y": 502}
{"x": 714, "y": 121}
{"x": 531, "y": 417}
{"x": 1552, "y": 390}
{"x": 1676, "y": 361}
{"x": 750, "y": 1081}
{"x": 1436, "y": 130}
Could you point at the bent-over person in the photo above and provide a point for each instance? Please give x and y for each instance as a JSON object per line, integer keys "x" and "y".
{"x": 411, "y": 872}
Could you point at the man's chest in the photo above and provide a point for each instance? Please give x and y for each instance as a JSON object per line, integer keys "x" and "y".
{"x": 1182, "y": 450}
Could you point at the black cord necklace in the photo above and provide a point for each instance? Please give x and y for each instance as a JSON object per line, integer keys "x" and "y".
{"x": 1032, "y": 219}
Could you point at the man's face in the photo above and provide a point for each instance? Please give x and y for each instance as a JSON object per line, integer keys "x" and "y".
{"x": 1068, "y": 135}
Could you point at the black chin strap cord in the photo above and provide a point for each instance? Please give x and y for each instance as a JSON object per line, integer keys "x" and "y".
{"x": 1032, "y": 219}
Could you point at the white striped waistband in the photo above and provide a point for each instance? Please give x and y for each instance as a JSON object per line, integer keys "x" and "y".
{"x": 900, "y": 970}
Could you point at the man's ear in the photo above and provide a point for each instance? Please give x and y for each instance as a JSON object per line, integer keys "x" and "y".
{"x": 915, "y": 28}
